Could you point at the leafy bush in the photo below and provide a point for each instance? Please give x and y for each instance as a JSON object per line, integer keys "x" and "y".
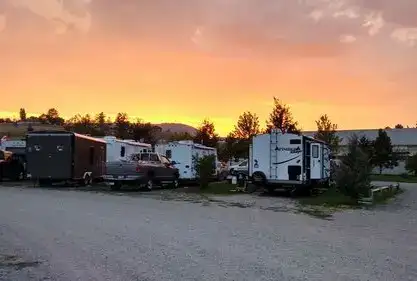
{"x": 411, "y": 164}
{"x": 353, "y": 174}
{"x": 204, "y": 168}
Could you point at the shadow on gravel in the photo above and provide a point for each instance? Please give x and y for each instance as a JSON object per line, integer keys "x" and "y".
{"x": 16, "y": 262}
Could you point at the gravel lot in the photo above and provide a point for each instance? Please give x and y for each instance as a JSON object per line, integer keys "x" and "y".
{"x": 72, "y": 235}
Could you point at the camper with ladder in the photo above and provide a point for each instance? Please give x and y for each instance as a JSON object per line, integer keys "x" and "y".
{"x": 288, "y": 161}
{"x": 118, "y": 149}
{"x": 182, "y": 155}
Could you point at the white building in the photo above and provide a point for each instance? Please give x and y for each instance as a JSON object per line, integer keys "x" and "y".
{"x": 403, "y": 141}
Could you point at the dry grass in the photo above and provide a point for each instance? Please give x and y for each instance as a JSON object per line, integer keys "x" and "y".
{"x": 20, "y": 130}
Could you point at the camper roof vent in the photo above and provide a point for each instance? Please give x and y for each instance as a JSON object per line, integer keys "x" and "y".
{"x": 186, "y": 142}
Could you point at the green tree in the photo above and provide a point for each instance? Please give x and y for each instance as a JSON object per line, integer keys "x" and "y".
{"x": 204, "y": 168}
{"x": 22, "y": 114}
{"x": 180, "y": 136}
{"x": 238, "y": 141}
{"x": 145, "y": 132}
{"x": 122, "y": 126}
{"x": 367, "y": 147}
{"x": 411, "y": 164}
{"x": 81, "y": 124}
{"x": 247, "y": 126}
{"x": 52, "y": 117}
{"x": 383, "y": 152}
{"x": 101, "y": 126}
{"x": 326, "y": 131}
{"x": 206, "y": 134}
{"x": 353, "y": 175}
{"x": 281, "y": 118}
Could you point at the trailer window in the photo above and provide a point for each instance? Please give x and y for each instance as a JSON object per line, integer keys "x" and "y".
{"x": 295, "y": 141}
{"x": 122, "y": 151}
{"x": 91, "y": 155}
{"x": 168, "y": 154}
{"x": 315, "y": 151}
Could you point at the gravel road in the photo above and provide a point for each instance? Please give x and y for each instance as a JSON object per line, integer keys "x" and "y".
{"x": 73, "y": 235}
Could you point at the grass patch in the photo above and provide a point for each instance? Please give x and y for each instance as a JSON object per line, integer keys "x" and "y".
{"x": 394, "y": 178}
{"x": 220, "y": 188}
{"x": 329, "y": 198}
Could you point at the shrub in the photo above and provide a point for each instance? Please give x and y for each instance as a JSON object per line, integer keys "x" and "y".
{"x": 411, "y": 164}
{"x": 204, "y": 168}
{"x": 353, "y": 174}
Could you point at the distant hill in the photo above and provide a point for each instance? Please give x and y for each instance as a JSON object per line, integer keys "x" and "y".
{"x": 177, "y": 128}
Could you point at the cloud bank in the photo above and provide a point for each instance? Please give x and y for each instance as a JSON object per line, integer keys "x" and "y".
{"x": 62, "y": 14}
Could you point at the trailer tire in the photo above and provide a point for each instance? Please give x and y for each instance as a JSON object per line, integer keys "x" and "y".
{"x": 87, "y": 181}
{"x": 20, "y": 174}
{"x": 259, "y": 179}
{"x": 116, "y": 186}
{"x": 45, "y": 182}
{"x": 176, "y": 181}
{"x": 149, "y": 184}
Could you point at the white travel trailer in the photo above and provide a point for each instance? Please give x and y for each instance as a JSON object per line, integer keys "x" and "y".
{"x": 281, "y": 160}
{"x": 15, "y": 146}
{"x": 182, "y": 153}
{"x": 118, "y": 149}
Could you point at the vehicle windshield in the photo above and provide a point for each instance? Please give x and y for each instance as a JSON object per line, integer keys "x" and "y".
{"x": 140, "y": 157}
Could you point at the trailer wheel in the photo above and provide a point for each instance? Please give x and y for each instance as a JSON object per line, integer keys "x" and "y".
{"x": 176, "y": 181}
{"x": 20, "y": 174}
{"x": 45, "y": 182}
{"x": 259, "y": 179}
{"x": 87, "y": 180}
{"x": 149, "y": 184}
{"x": 116, "y": 186}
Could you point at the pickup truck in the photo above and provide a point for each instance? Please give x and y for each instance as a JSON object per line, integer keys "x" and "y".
{"x": 10, "y": 166}
{"x": 143, "y": 170}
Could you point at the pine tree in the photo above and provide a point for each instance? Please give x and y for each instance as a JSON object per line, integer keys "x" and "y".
{"x": 383, "y": 152}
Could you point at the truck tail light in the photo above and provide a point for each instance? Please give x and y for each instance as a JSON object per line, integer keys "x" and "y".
{"x": 137, "y": 169}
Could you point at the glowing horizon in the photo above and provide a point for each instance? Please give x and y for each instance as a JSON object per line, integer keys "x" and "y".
{"x": 355, "y": 61}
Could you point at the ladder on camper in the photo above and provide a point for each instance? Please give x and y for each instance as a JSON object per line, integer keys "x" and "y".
{"x": 273, "y": 147}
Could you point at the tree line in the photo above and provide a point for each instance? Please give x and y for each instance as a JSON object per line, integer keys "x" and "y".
{"x": 379, "y": 151}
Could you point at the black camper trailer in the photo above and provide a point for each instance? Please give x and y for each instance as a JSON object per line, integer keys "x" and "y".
{"x": 64, "y": 156}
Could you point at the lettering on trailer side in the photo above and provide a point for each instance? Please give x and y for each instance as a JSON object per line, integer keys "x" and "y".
{"x": 290, "y": 149}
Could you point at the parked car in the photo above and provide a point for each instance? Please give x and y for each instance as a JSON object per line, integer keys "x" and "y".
{"x": 11, "y": 167}
{"x": 240, "y": 168}
{"x": 142, "y": 170}
{"x": 222, "y": 171}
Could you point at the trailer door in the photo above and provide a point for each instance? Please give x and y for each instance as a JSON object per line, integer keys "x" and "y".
{"x": 316, "y": 162}
{"x": 49, "y": 156}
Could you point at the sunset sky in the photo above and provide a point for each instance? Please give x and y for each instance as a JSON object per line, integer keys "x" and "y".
{"x": 184, "y": 60}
